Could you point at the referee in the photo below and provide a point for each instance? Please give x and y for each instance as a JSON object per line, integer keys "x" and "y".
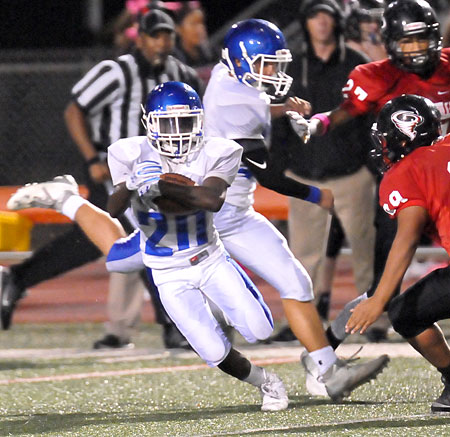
{"x": 106, "y": 106}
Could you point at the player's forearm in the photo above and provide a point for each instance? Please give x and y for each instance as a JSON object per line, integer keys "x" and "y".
{"x": 78, "y": 130}
{"x": 119, "y": 200}
{"x": 194, "y": 197}
{"x": 399, "y": 259}
{"x": 319, "y": 124}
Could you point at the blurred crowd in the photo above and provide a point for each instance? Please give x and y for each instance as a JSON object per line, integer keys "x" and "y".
{"x": 362, "y": 29}
{"x": 192, "y": 45}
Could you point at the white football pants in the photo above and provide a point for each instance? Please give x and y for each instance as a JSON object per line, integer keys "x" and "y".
{"x": 183, "y": 290}
{"x": 253, "y": 241}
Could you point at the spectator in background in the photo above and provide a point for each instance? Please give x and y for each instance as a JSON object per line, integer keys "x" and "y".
{"x": 319, "y": 72}
{"x": 124, "y": 29}
{"x": 192, "y": 45}
{"x": 446, "y": 37}
{"x": 192, "y": 39}
{"x": 363, "y": 32}
{"x": 106, "y": 106}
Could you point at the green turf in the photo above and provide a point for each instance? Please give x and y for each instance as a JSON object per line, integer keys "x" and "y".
{"x": 195, "y": 402}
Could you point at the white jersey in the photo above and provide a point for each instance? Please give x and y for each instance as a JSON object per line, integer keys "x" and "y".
{"x": 173, "y": 240}
{"x": 234, "y": 111}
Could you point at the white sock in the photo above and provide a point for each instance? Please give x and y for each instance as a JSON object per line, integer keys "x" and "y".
{"x": 324, "y": 358}
{"x": 70, "y": 207}
{"x": 256, "y": 376}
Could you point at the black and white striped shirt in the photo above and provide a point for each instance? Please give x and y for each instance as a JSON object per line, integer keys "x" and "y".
{"x": 111, "y": 94}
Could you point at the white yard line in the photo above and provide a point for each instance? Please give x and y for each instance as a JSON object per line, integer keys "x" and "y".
{"x": 259, "y": 355}
{"x": 273, "y": 350}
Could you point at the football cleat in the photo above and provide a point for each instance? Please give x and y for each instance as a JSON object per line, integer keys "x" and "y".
{"x": 314, "y": 386}
{"x": 442, "y": 403}
{"x": 342, "y": 378}
{"x": 51, "y": 194}
{"x": 10, "y": 293}
{"x": 274, "y": 396}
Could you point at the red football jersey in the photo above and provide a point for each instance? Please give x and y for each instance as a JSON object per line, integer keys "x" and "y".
{"x": 422, "y": 178}
{"x": 371, "y": 85}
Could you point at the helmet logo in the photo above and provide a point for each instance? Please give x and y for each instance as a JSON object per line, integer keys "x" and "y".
{"x": 178, "y": 107}
{"x": 416, "y": 26}
{"x": 406, "y": 122}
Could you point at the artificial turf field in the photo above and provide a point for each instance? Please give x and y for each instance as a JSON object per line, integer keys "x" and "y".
{"x": 53, "y": 384}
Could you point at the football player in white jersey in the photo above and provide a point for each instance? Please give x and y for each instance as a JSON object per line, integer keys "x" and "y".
{"x": 237, "y": 106}
{"x": 177, "y": 239}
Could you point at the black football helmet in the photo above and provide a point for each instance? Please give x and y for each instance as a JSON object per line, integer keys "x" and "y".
{"x": 405, "y": 18}
{"x": 404, "y": 124}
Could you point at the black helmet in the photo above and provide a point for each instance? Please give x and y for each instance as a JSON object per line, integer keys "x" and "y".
{"x": 404, "y": 18}
{"x": 404, "y": 124}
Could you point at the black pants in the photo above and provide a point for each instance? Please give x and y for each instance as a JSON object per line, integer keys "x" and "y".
{"x": 422, "y": 304}
{"x": 71, "y": 250}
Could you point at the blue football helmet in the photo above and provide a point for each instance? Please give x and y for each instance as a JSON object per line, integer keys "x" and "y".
{"x": 173, "y": 118}
{"x": 252, "y": 44}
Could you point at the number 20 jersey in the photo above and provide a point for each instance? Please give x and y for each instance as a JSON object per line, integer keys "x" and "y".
{"x": 422, "y": 178}
{"x": 372, "y": 85}
{"x": 174, "y": 240}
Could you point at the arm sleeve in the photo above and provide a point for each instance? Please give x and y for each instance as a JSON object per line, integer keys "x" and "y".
{"x": 256, "y": 158}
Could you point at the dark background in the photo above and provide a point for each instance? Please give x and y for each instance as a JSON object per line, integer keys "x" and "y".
{"x": 62, "y": 23}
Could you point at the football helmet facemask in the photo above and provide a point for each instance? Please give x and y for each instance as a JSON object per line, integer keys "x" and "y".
{"x": 404, "y": 124}
{"x": 173, "y": 119}
{"x": 414, "y": 22}
{"x": 249, "y": 47}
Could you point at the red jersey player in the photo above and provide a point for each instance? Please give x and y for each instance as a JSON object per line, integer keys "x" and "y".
{"x": 416, "y": 190}
{"x": 417, "y": 64}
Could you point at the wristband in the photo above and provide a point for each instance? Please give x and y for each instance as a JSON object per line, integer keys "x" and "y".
{"x": 315, "y": 195}
{"x": 325, "y": 121}
{"x": 92, "y": 161}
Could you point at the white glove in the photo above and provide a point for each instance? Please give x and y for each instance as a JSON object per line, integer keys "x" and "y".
{"x": 144, "y": 179}
{"x": 300, "y": 125}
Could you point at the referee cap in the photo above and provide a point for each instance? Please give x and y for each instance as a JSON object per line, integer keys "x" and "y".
{"x": 154, "y": 21}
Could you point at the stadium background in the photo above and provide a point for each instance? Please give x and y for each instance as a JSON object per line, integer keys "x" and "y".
{"x": 46, "y": 47}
